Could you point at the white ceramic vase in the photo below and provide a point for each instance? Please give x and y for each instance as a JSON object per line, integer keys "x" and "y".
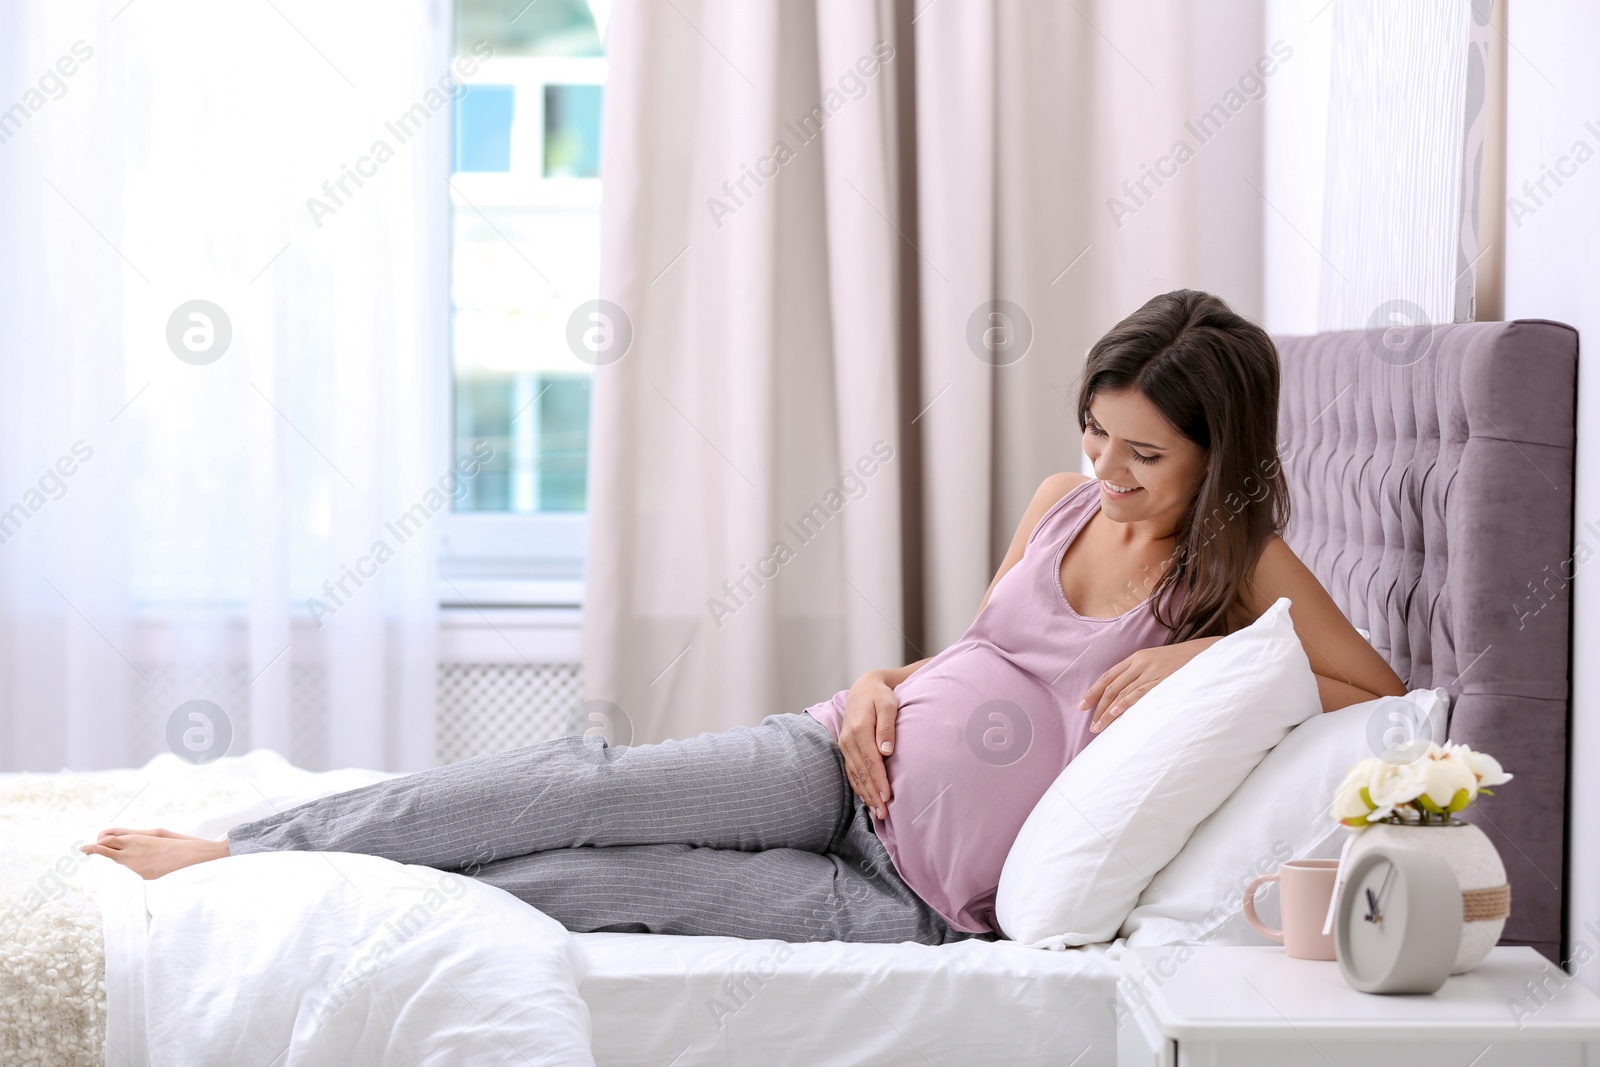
{"x": 1471, "y": 855}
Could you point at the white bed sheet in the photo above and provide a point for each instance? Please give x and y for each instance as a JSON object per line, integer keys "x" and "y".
{"x": 687, "y": 1001}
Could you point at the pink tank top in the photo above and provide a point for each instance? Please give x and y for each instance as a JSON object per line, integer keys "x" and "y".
{"x": 985, "y": 726}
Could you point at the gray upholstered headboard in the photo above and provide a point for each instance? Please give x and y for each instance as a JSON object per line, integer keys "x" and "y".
{"x": 1431, "y": 492}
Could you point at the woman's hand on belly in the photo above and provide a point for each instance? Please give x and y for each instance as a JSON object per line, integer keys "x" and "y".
{"x": 866, "y": 736}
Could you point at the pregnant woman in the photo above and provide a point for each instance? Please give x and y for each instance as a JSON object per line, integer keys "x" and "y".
{"x": 885, "y": 813}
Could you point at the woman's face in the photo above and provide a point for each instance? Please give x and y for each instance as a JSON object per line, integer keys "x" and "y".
{"x": 1133, "y": 446}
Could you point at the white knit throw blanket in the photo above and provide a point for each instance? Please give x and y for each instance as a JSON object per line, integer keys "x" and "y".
{"x": 52, "y": 953}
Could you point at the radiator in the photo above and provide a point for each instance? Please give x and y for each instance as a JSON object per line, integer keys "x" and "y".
{"x": 490, "y": 707}
{"x": 482, "y": 706}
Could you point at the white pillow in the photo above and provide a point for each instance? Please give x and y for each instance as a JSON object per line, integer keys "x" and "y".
{"x": 1122, "y": 809}
{"x": 1279, "y": 812}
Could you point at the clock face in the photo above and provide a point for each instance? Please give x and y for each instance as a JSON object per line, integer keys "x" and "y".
{"x": 1375, "y": 925}
{"x": 1397, "y": 922}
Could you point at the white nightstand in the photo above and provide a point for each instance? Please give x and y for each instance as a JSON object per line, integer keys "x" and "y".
{"x": 1257, "y": 1007}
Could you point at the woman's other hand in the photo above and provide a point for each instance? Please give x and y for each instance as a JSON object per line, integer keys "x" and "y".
{"x": 866, "y": 737}
{"x": 1118, "y": 688}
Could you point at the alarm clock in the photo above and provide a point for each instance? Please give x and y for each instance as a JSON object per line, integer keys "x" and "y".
{"x": 1397, "y": 922}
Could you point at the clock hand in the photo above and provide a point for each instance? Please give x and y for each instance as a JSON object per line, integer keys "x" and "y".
{"x": 1374, "y": 914}
{"x": 1385, "y": 886}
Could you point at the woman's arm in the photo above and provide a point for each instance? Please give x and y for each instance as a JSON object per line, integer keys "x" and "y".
{"x": 866, "y": 734}
{"x": 1348, "y": 669}
{"x": 893, "y": 676}
{"x": 1121, "y": 686}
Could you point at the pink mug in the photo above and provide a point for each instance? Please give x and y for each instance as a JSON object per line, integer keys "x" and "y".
{"x": 1304, "y": 889}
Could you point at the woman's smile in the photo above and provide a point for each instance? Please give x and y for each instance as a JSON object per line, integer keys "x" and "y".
{"x": 1149, "y": 472}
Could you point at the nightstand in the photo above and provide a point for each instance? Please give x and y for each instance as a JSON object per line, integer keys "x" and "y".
{"x": 1257, "y": 1007}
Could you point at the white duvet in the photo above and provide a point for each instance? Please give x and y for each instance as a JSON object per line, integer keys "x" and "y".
{"x": 305, "y": 959}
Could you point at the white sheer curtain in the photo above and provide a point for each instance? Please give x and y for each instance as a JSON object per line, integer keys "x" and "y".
{"x": 185, "y": 522}
{"x": 797, "y": 311}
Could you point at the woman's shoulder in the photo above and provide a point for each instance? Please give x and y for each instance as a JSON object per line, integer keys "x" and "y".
{"x": 1069, "y": 480}
{"x": 1252, "y": 602}
{"x": 1057, "y": 486}
{"x": 1047, "y": 499}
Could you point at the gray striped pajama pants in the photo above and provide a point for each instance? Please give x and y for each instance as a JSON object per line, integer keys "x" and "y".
{"x": 752, "y": 833}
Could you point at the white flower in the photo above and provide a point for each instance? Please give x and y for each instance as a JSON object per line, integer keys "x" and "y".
{"x": 1484, "y": 767}
{"x": 1347, "y": 802}
{"x": 1374, "y": 788}
{"x": 1393, "y": 784}
{"x": 1447, "y": 778}
{"x": 1444, "y": 779}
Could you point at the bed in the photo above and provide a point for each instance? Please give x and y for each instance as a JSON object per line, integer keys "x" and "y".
{"x": 652, "y": 999}
{"x": 1431, "y": 495}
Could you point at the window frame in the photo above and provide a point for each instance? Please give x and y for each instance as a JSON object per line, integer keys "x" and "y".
{"x": 513, "y": 559}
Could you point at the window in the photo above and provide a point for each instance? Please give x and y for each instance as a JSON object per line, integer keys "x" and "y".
{"x": 525, "y": 253}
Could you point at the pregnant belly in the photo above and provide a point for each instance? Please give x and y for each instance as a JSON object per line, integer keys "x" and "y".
{"x": 977, "y": 742}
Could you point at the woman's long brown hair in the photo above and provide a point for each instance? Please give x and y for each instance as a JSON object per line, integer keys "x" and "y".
{"x": 1213, "y": 374}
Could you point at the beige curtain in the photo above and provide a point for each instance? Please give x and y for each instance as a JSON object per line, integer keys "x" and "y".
{"x": 854, "y": 252}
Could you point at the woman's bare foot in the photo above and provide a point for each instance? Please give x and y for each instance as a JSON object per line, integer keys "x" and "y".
{"x": 152, "y": 853}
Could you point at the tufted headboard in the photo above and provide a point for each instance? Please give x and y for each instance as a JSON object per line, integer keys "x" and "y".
{"x": 1431, "y": 489}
